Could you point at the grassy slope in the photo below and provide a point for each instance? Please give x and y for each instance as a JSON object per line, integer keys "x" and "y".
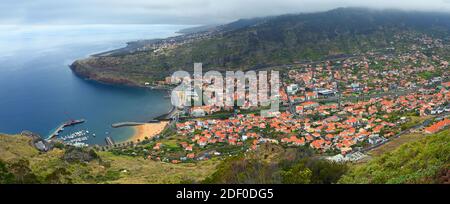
{"x": 12, "y": 147}
{"x": 145, "y": 171}
{"x": 109, "y": 170}
{"x": 414, "y": 162}
{"x": 397, "y": 142}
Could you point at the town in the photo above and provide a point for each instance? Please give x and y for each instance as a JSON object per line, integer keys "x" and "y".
{"x": 339, "y": 107}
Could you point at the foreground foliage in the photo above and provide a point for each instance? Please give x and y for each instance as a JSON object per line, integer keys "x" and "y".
{"x": 22, "y": 163}
{"x": 423, "y": 161}
{"x": 290, "y": 166}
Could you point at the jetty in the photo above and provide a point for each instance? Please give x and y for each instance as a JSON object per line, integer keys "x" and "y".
{"x": 125, "y": 124}
{"x": 170, "y": 115}
{"x": 110, "y": 141}
{"x": 64, "y": 125}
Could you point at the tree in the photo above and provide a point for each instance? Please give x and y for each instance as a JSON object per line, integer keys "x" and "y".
{"x": 22, "y": 172}
{"x": 58, "y": 176}
{"x": 298, "y": 174}
{"x": 238, "y": 170}
{"x": 326, "y": 172}
{"x": 6, "y": 177}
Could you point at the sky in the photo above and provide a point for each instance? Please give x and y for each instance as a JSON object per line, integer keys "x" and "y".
{"x": 192, "y": 12}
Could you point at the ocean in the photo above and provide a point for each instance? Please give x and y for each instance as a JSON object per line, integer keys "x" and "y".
{"x": 38, "y": 91}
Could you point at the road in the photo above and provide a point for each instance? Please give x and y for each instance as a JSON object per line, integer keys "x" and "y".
{"x": 398, "y": 92}
{"x": 419, "y": 126}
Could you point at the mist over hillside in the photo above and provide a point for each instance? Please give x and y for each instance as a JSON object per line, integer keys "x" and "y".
{"x": 269, "y": 41}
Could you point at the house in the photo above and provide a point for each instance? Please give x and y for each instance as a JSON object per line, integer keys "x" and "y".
{"x": 356, "y": 87}
{"x": 188, "y": 148}
{"x": 311, "y": 95}
{"x": 190, "y": 156}
{"x": 157, "y": 146}
{"x": 437, "y": 126}
{"x": 309, "y": 104}
{"x": 375, "y": 139}
{"x": 325, "y": 92}
{"x": 202, "y": 141}
{"x": 337, "y": 158}
{"x": 198, "y": 112}
{"x": 299, "y": 109}
{"x": 351, "y": 121}
{"x": 446, "y": 84}
{"x": 41, "y": 146}
{"x": 292, "y": 89}
{"x": 348, "y": 157}
{"x": 168, "y": 80}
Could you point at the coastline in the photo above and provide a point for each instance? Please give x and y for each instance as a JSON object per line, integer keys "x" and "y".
{"x": 85, "y": 72}
{"x": 148, "y": 130}
{"x": 141, "y": 131}
{"x": 76, "y": 67}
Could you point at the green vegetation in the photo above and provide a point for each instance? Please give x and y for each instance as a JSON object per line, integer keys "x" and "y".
{"x": 22, "y": 163}
{"x": 269, "y": 42}
{"x": 421, "y": 161}
{"x": 395, "y": 143}
{"x": 5, "y": 175}
{"x": 425, "y": 160}
{"x": 273, "y": 164}
{"x": 429, "y": 75}
{"x": 413, "y": 121}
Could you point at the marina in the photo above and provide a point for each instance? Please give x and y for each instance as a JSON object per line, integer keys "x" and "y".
{"x": 64, "y": 125}
{"x": 77, "y": 138}
{"x": 59, "y": 95}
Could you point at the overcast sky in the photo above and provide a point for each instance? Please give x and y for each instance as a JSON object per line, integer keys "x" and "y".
{"x": 180, "y": 11}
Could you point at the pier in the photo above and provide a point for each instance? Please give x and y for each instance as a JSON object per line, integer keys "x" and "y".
{"x": 126, "y": 124}
{"x": 61, "y": 127}
{"x": 110, "y": 141}
{"x": 170, "y": 115}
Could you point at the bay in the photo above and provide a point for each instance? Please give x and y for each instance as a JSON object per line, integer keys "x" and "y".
{"x": 38, "y": 91}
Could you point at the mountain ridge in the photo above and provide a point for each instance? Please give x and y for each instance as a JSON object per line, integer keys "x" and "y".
{"x": 266, "y": 41}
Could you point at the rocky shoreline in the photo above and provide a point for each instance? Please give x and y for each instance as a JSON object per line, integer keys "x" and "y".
{"x": 86, "y": 73}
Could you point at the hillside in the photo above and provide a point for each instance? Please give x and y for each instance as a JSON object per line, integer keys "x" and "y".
{"x": 253, "y": 43}
{"x": 423, "y": 161}
{"x": 22, "y": 163}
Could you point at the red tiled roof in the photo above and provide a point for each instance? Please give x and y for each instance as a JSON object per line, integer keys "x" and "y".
{"x": 438, "y": 126}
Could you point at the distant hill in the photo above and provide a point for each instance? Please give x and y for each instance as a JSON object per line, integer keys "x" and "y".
{"x": 250, "y": 43}
{"x": 198, "y": 29}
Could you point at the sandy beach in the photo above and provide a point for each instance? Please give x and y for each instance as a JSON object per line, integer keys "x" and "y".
{"x": 148, "y": 130}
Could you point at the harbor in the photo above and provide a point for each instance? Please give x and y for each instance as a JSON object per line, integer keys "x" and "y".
{"x": 64, "y": 125}
{"x": 83, "y": 137}
{"x": 77, "y": 139}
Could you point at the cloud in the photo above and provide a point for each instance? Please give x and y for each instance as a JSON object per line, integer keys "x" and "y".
{"x": 180, "y": 11}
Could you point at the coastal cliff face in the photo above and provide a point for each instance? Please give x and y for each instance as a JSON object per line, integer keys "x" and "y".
{"x": 263, "y": 42}
{"x": 82, "y": 69}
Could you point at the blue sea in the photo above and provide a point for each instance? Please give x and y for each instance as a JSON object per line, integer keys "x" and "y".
{"x": 38, "y": 91}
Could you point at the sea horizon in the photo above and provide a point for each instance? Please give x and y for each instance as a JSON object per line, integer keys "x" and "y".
{"x": 43, "y": 60}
